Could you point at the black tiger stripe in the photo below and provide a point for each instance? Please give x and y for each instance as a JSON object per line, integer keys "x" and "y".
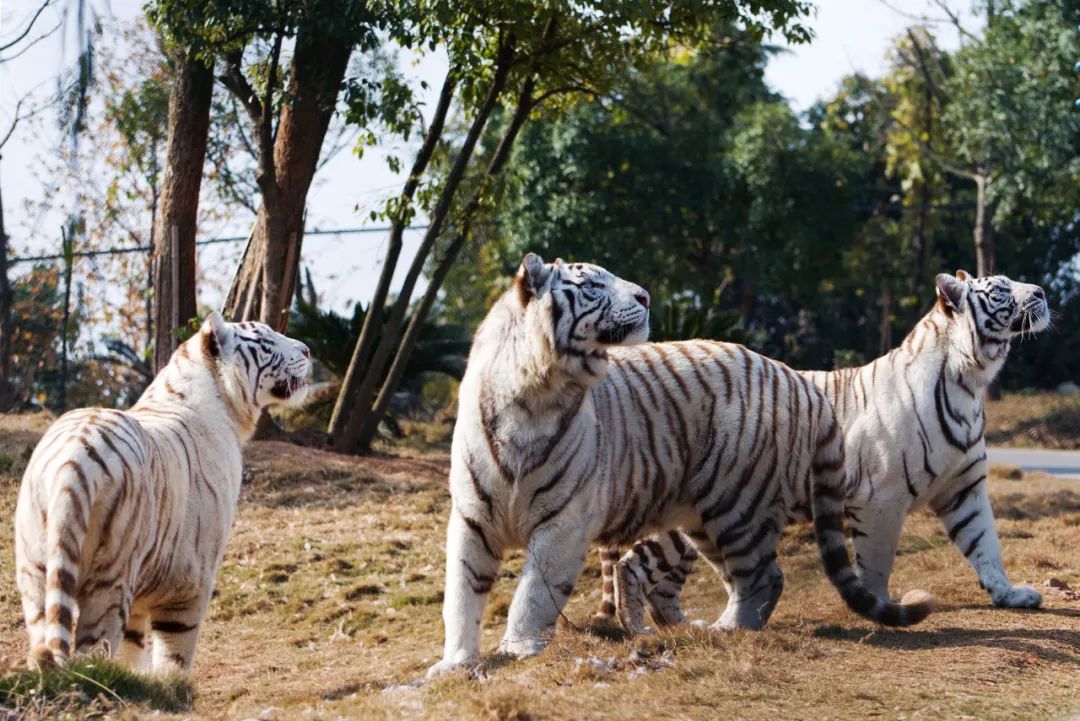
{"x": 960, "y": 496}
{"x": 974, "y": 544}
{"x": 963, "y": 523}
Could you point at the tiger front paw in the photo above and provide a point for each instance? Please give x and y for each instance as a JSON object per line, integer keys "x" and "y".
{"x": 448, "y": 666}
{"x": 522, "y": 647}
{"x": 1018, "y": 597}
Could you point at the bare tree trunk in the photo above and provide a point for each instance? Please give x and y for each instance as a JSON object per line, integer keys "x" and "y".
{"x": 237, "y": 302}
{"x": 885, "y": 329}
{"x": 174, "y": 232}
{"x": 348, "y": 436}
{"x": 265, "y": 282}
{"x": 7, "y": 394}
{"x": 985, "y": 256}
{"x": 408, "y": 342}
{"x": 985, "y": 252}
{"x": 370, "y": 331}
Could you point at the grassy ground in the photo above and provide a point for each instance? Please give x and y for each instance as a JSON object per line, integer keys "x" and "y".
{"x": 1034, "y": 420}
{"x": 328, "y": 606}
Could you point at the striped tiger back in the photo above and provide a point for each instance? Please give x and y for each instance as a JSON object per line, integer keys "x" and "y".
{"x": 122, "y": 516}
{"x": 913, "y": 421}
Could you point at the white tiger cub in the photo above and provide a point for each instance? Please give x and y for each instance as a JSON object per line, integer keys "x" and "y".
{"x": 913, "y": 421}
{"x": 122, "y": 517}
{"x": 568, "y": 433}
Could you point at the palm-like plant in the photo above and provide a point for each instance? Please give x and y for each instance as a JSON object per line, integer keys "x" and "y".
{"x": 441, "y": 348}
{"x": 683, "y": 316}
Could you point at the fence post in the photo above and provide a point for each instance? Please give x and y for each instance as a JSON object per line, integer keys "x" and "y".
{"x": 174, "y": 286}
{"x": 68, "y": 245}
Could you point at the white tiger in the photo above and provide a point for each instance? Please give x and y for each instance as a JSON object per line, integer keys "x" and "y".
{"x": 568, "y": 433}
{"x": 913, "y": 421}
{"x": 122, "y": 517}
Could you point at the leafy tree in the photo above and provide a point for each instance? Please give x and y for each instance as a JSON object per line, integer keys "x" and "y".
{"x": 521, "y": 56}
{"x": 824, "y": 232}
{"x": 1011, "y": 116}
{"x": 688, "y": 176}
{"x": 441, "y": 348}
{"x": 285, "y": 63}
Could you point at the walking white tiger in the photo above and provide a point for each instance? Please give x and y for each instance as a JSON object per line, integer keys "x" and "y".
{"x": 122, "y": 517}
{"x": 914, "y": 422}
{"x": 567, "y": 433}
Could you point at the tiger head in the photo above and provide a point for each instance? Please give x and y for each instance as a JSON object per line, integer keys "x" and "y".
{"x": 995, "y": 308}
{"x": 581, "y": 308}
{"x": 258, "y": 363}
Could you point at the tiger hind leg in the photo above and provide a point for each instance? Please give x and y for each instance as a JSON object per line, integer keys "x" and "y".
{"x": 31, "y": 583}
{"x": 134, "y": 650}
{"x": 102, "y": 617}
{"x": 752, "y": 577}
{"x": 663, "y": 600}
{"x": 638, "y": 575}
{"x": 754, "y": 600}
{"x": 175, "y": 631}
{"x": 605, "y": 612}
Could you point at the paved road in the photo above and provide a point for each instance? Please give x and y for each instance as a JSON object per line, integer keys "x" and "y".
{"x": 1060, "y": 463}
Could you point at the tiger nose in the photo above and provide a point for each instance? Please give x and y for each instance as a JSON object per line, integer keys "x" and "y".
{"x": 1039, "y": 293}
{"x": 305, "y": 350}
{"x": 642, "y": 297}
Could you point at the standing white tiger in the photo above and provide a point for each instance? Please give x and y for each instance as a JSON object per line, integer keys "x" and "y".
{"x": 565, "y": 436}
{"x": 913, "y": 422}
{"x": 122, "y": 517}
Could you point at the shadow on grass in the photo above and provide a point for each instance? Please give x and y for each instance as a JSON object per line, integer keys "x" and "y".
{"x": 1032, "y": 507}
{"x": 1062, "y": 422}
{"x": 85, "y": 681}
{"x": 1033, "y": 641}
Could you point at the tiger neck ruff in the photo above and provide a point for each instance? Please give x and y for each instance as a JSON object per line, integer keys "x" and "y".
{"x": 571, "y": 430}
{"x": 123, "y": 516}
{"x": 913, "y": 421}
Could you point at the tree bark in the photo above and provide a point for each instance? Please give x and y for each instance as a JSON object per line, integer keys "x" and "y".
{"x": 985, "y": 255}
{"x": 348, "y": 437}
{"x": 885, "y": 329}
{"x": 373, "y": 320}
{"x": 265, "y": 282}
{"x": 7, "y": 395}
{"x": 985, "y": 252}
{"x": 408, "y": 342}
{"x": 174, "y": 232}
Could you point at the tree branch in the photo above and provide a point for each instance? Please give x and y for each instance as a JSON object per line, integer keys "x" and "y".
{"x": 955, "y": 20}
{"x": 19, "y": 116}
{"x": 934, "y": 93}
{"x": 365, "y": 344}
{"x": 565, "y": 89}
{"x": 233, "y": 79}
{"x": 29, "y": 26}
{"x": 266, "y": 134}
{"x": 946, "y": 165}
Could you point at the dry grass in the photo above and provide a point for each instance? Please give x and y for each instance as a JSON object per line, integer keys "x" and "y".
{"x": 329, "y": 606}
{"x": 1034, "y": 420}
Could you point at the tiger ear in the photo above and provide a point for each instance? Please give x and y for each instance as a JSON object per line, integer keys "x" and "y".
{"x": 532, "y": 278}
{"x": 951, "y": 292}
{"x": 962, "y": 275}
{"x": 216, "y": 334}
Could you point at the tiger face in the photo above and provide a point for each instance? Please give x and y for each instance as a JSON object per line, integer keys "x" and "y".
{"x": 582, "y": 307}
{"x": 997, "y": 307}
{"x": 271, "y": 367}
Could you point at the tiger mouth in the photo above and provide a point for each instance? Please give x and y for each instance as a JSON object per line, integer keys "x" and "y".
{"x": 616, "y": 335}
{"x": 285, "y": 388}
{"x": 1030, "y": 321}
